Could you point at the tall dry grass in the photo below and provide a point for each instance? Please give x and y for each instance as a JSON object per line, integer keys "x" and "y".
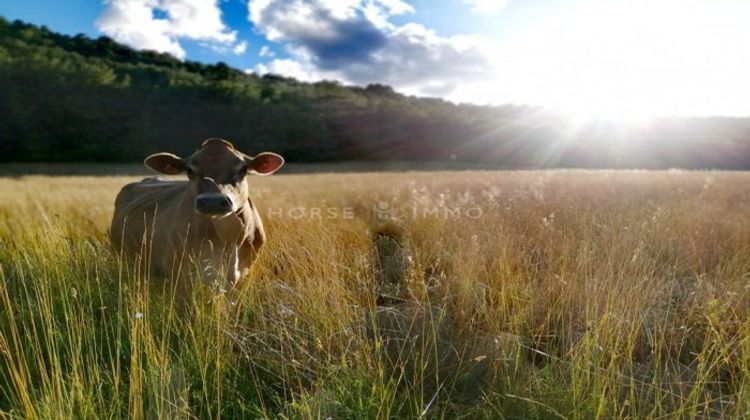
{"x": 574, "y": 294}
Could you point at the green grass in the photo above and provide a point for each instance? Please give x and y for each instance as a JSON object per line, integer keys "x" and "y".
{"x": 572, "y": 294}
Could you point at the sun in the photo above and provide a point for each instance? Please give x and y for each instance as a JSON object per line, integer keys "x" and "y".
{"x": 630, "y": 62}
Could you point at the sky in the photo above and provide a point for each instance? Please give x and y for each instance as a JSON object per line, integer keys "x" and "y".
{"x": 618, "y": 59}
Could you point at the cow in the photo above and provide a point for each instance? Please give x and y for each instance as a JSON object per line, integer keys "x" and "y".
{"x": 208, "y": 220}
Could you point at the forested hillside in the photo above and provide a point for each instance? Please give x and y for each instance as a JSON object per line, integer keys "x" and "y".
{"x": 66, "y": 98}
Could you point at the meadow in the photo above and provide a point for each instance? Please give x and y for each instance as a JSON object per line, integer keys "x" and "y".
{"x": 469, "y": 294}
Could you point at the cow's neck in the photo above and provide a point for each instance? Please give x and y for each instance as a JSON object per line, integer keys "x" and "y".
{"x": 231, "y": 229}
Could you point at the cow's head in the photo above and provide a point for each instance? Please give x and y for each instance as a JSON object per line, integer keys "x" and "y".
{"x": 217, "y": 174}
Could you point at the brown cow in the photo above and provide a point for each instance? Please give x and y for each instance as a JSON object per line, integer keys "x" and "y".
{"x": 208, "y": 220}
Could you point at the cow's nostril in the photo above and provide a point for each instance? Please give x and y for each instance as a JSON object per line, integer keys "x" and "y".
{"x": 213, "y": 204}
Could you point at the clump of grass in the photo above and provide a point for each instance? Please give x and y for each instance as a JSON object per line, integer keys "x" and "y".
{"x": 513, "y": 294}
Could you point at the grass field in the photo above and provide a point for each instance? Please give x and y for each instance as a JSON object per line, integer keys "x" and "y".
{"x": 570, "y": 294}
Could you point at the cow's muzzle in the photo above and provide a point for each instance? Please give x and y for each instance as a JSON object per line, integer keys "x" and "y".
{"x": 213, "y": 204}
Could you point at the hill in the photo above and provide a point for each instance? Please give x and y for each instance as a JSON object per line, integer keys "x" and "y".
{"x": 73, "y": 98}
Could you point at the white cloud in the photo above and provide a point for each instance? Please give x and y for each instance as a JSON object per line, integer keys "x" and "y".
{"x": 353, "y": 41}
{"x": 265, "y": 51}
{"x": 488, "y": 7}
{"x": 621, "y": 60}
{"x": 240, "y": 48}
{"x": 133, "y": 22}
{"x": 237, "y": 48}
{"x": 290, "y": 68}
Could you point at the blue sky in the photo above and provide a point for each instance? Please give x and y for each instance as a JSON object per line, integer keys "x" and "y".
{"x": 449, "y": 17}
{"x": 619, "y": 59}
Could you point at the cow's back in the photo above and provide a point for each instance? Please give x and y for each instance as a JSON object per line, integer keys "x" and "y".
{"x": 136, "y": 207}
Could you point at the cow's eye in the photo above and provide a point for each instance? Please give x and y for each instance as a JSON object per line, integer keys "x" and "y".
{"x": 190, "y": 172}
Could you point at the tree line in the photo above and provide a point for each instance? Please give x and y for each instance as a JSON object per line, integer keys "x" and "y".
{"x": 77, "y": 99}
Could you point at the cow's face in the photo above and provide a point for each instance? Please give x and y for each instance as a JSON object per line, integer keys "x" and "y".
{"x": 217, "y": 174}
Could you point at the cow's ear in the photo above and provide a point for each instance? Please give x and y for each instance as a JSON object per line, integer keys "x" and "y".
{"x": 165, "y": 163}
{"x": 265, "y": 163}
